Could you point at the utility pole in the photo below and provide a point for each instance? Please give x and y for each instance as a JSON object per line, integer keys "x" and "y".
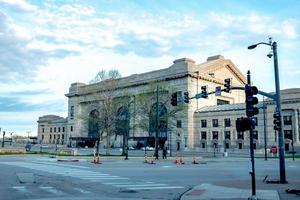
{"x": 265, "y": 128}
{"x": 278, "y": 109}
{"x": 277, "y": 98}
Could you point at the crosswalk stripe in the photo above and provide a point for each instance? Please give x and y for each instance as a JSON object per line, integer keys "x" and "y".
{"x": 155, "y": 188}
{"x": 143, "y": 185}
{"x": 115, "y": 183}
{"x": 20, "y": 188}
{"x": 107, "y": 178}
{"x": 66, "y": 170}
{"x": 51, "y": 190}
{"x": 100, "y": 177}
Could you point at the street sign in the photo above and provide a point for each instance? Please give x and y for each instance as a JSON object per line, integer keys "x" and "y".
{"x": 218, "y": 91}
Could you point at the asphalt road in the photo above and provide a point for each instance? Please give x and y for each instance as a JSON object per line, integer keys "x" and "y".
{"x": 35, "y": 177}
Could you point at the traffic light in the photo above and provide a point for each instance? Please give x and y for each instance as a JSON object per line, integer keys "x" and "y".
{"x": 186, "y": 97}
{"x": 174, "y": 99}
{"x": 242, "y": 124}
{"x": 204, "y": 91}
{"x": 277, "y": 121}
{"x": 251, "y": 101}
{"x": 227, "y": 85}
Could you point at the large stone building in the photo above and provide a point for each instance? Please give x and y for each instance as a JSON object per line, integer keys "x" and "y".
{"x": 199, "y": 125}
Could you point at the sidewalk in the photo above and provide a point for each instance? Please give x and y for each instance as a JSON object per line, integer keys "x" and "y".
{"x": 241, "y": 190}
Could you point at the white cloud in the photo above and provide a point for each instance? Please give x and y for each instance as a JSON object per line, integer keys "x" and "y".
{"x": 22, "y": 4}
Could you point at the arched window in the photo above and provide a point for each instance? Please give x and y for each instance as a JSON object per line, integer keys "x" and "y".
{"x": 94, "y": 124}
{"x": 122, "y": 121}
{"x": 162, "y": 119}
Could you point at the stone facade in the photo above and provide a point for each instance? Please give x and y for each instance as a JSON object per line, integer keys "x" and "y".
{"x": 216, "y": 124}
{"x": 183, "y": 75}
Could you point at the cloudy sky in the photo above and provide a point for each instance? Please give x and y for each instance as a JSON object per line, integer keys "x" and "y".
{"x": 45, "y": 45}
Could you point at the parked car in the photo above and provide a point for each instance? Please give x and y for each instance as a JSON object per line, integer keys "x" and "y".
{"x": 148, "y": 148}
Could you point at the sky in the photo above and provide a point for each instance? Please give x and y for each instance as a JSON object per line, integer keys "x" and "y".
{"x": 46, "y": 45}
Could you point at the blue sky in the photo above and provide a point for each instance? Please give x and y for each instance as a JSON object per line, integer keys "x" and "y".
{"x": 47, "y": 45}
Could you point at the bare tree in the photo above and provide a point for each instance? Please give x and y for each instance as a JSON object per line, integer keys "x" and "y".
{"x": 153, "y": 110}
{"x": 104, "y": 75}
{"x": 103, "y": 108}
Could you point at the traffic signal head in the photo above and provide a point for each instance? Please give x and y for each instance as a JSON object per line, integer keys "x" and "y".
{"x": 227, "y": 85}
{"x": 277, "y": 121}
{"x": 174, "y": 99}
{"x": 204, "y": 91}
{"x": 243, "y": 124}
{"x": 251, "y": 101}
{"x": 186, "y": 97}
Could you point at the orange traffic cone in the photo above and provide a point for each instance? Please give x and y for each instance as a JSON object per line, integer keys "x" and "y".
{"x": 176, "y": 160}
{"x": 145, "y": 156}
{"x": 181, "y": 160}
{"x": 194, "y": 160}
{"x": 96, "y": 159}
{"x": 152, "y": 160}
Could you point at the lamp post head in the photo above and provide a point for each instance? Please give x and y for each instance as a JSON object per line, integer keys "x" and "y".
{"x": 252, "y": 46}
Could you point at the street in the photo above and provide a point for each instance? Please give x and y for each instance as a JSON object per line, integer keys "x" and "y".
{"x": 36, "y": 177}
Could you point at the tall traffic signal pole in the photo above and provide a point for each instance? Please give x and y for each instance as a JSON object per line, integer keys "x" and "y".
{"x": 278, "y": 107}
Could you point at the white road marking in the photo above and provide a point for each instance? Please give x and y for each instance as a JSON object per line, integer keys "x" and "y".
{"x": 143, "y": 185}
{"x": 155, "y": 188}
{"x": 82, "y": 191}
{"x": 20, "y": 188}
{"x": 115, "y": 183}
{"x": 83, "y": 174}
{"x": 51, "y": 190}
{"x": 65, "y": 165}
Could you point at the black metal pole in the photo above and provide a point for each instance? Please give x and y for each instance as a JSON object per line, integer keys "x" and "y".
{"x": 171, "y": 144}
{"x": 265, "y": 129}
{"x": 278, "y": 109}
{"x": 252, "y": 171}
{"x": 3, "y": 139}
{"x": 252, "y": 160}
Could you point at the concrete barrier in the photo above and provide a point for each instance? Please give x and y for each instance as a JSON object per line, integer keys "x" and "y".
{"x": 12, "y": 150}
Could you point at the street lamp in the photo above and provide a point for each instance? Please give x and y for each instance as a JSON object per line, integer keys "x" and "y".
{"x": 273, "y": 46}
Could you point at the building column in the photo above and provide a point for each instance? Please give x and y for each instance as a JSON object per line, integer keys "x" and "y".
{"x": 295, "y": 124}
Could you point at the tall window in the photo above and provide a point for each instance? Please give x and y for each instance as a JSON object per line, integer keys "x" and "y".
{"x": 287, "y": 120}
{"x": 215, "y": 123}
{"x": 50, "y": 137}
{"x": 288, "y": 134}
{"x": 71, "y": 128}
{"x": 255, "y": 135}
{"x": 50, "y": 130}
{"x": 227, "y": 122}
{"x": 240, "y": 135}
{"x": 179, "y": 124}
{"x": 203, "y": 123}
{"x": 43, "y": 130}
{"x": 203, "y": 135}
{"x": 62, "y": 136}
{"x": 72, "y": 112}
{"x": 54, "y": 129}
{"x": 63, "y": 129}
{"x": 215, "y": 135}
{"x": 227, "y": 135}
{"x": 58, "y": 129}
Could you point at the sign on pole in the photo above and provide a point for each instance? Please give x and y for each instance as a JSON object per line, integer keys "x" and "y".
{"x": 218, "y": 91}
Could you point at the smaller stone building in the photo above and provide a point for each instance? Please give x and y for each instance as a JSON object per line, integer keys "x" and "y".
{"x": 52, "y": 129}
{"x": 216, "y": 125}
